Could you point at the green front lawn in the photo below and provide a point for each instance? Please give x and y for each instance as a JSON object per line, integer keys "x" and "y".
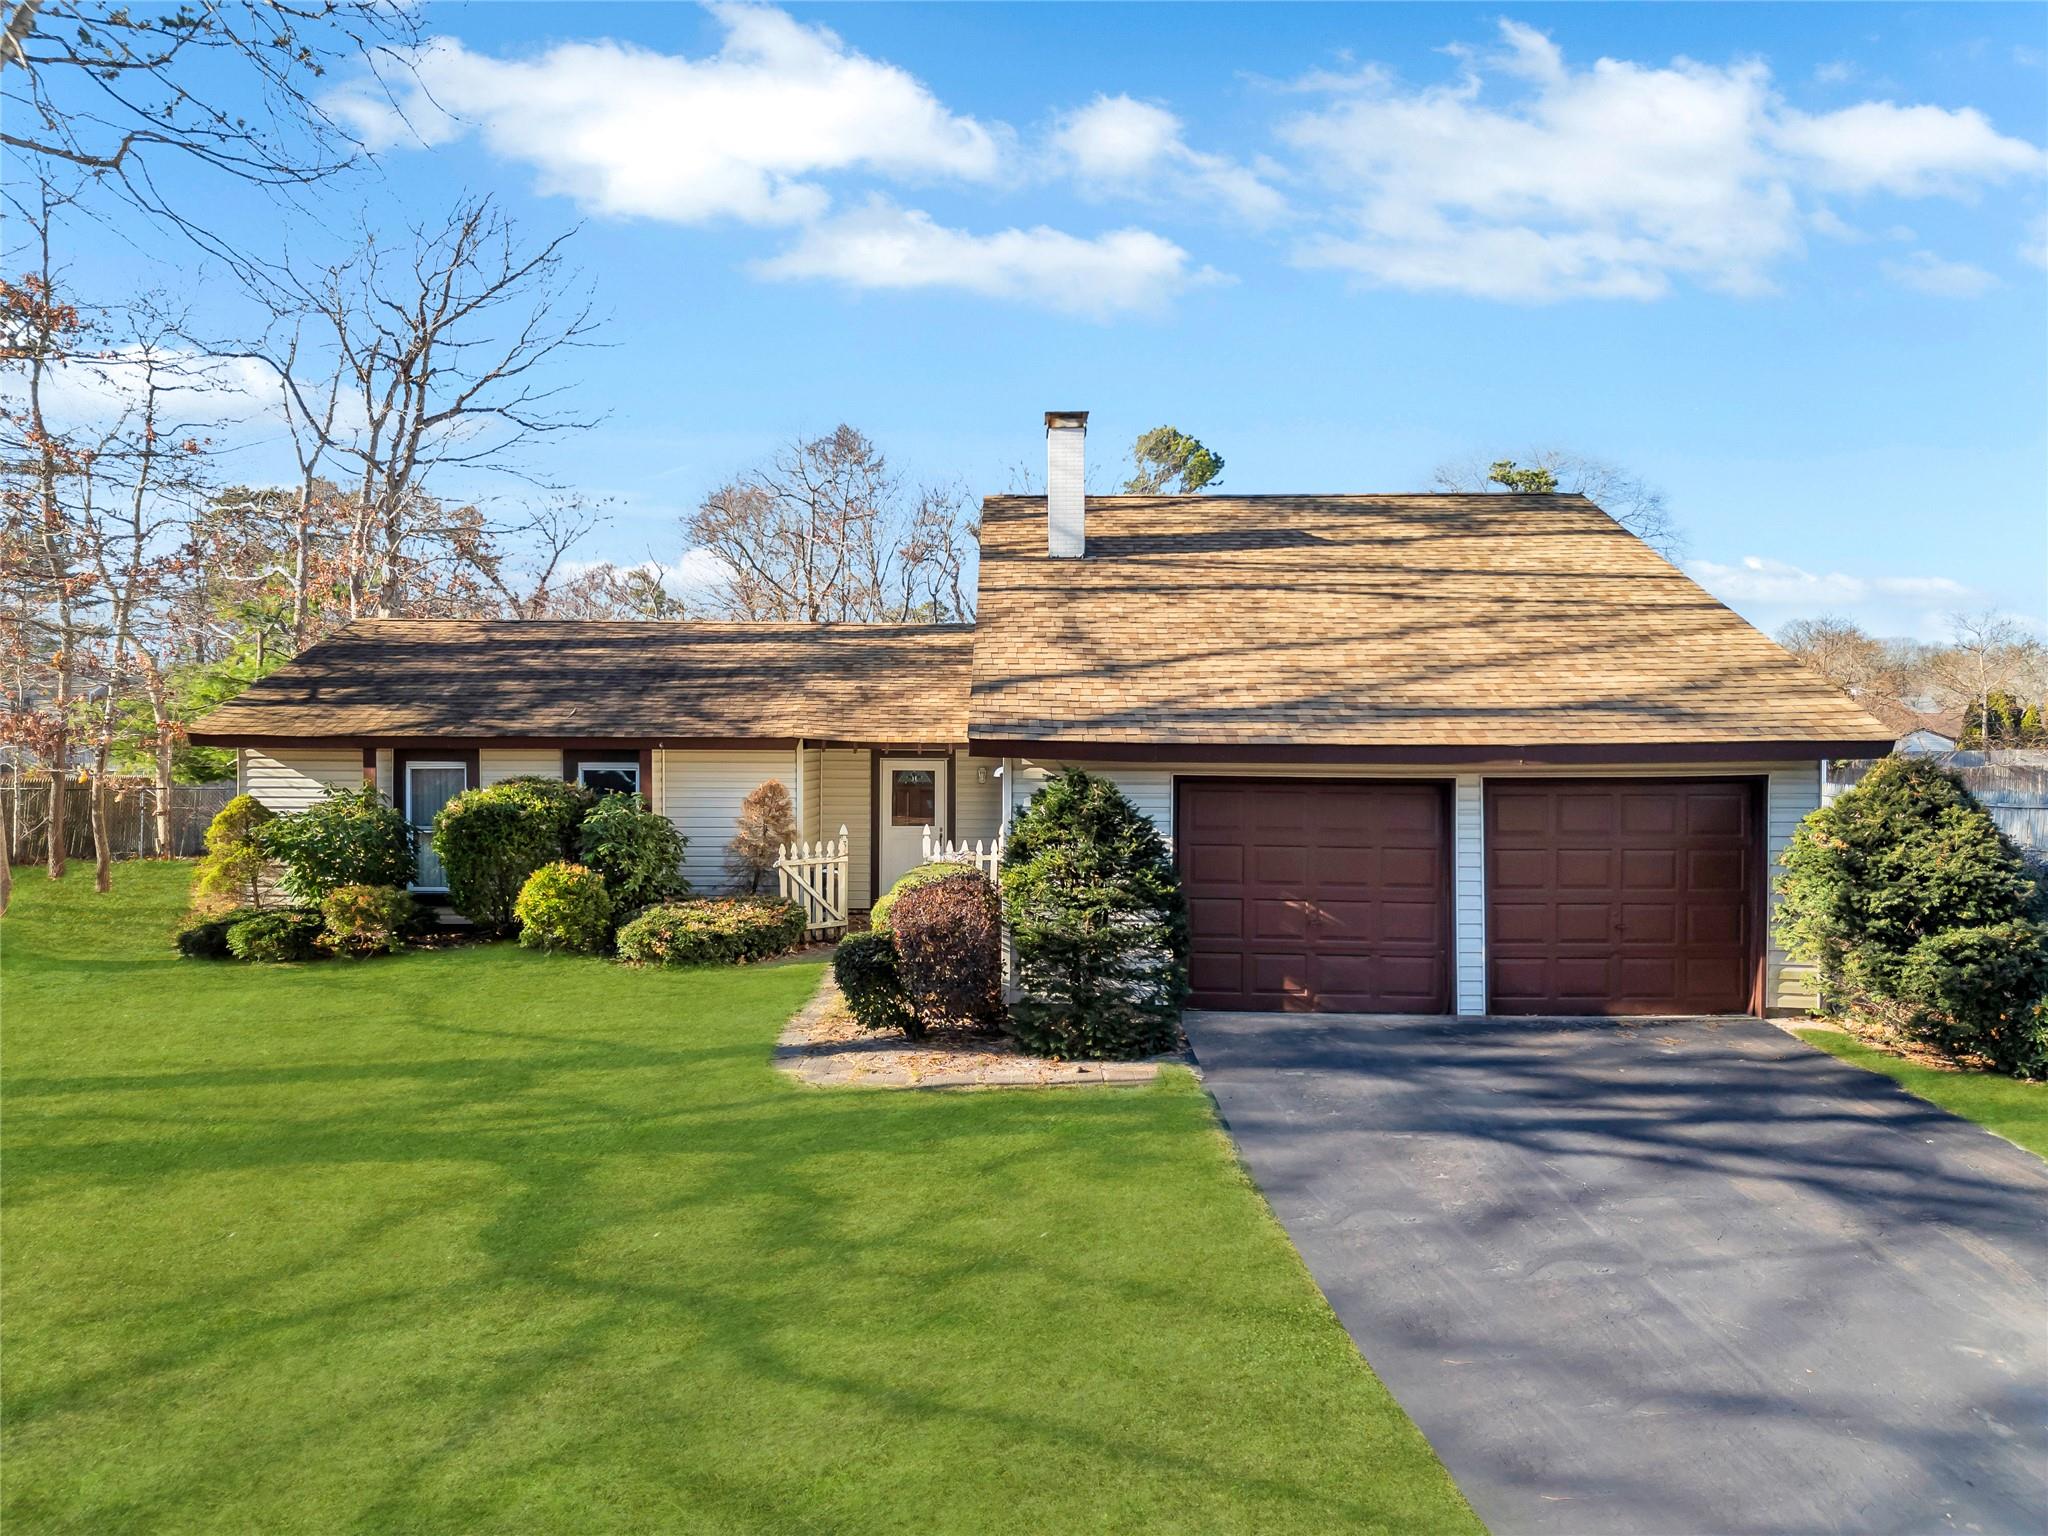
{"x": 485, "y": 1240}
{"x": 2015, "y": 1110}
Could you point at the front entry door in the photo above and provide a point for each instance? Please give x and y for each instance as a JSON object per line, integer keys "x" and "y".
{"x": 913, "y": 797}
{"x": 428, "y": 787}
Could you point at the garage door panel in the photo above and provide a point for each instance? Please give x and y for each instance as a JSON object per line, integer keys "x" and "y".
{"x": 1674, "y": 876}
{"x": 1583, "y": 869}
{"x": 1416, "y": 869}
{"x": 1519, "y": 869}
{"x": 1344, "y": 893}
{"x": 1210, "y": 864}
{"x": 1523, "y": 923}
{"x": 1278, "y": 920}
{"x": 1650, "y": 922}
{"x": 1649, "y": 869}
{"x": 1216, "y": 917}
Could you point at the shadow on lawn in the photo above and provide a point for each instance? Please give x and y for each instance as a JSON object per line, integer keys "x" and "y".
{"x": 578, "y": 1132}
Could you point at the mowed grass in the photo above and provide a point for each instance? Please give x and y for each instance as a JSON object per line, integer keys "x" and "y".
{"x": 2016, "y": 1110}
{"x": 488, "y": 1241}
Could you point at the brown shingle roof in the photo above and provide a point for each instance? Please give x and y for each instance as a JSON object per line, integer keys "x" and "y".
{"x": 1483, "y": 621}
{"x": 403, "y": 678}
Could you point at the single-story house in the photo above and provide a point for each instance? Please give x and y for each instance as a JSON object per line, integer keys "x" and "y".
{"x": 1416, "y": 753}
{"x": 1918, "y": 732}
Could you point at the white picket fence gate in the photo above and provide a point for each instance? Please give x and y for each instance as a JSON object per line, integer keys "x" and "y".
{"x": 986, "y": 856}
{"x": 813, "y": 875}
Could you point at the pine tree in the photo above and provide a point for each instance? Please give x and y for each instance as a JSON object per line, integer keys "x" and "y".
{"x": 767, "y": 821}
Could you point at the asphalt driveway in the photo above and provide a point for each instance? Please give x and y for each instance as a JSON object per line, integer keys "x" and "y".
{"x": 1663, "y": 1275}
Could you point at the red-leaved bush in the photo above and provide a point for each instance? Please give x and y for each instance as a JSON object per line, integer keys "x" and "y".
{"x": 949, "y": 951}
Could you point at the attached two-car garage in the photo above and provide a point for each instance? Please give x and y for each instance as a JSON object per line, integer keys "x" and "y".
{"x": 1626, "y": 896}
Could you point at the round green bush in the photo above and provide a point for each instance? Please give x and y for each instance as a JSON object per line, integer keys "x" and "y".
{"x": 731, "y": 931}
{"x": 1098, "y": 925}
{"x": 206, "y": 937}
{"x": 234, "y": 862}
{"x": 923, "y": 874}
{"x": 490, "y": 840}
{"x": 370, "y": 920}
{"x": 639, "y": 852}
{"x": 565, "y": 907}
{"x": 1917, "y": 911}
{"x": 289, "y": 934}
{"x": 865, "y": 967}
{"x": 347, "y": 837}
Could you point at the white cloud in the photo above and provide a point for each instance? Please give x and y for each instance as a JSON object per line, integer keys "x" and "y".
{"x": 1524, "y": 178}
{"x": 1925, "y": 272}
{"x": 1834, "y": 72}
{"x": 193, "y": 391}
{"x": 884, "y": 246}
{"x": 1759, "y": 580}
{"x": 1116, "y": 145}
{"x": 746, "y": 133}
{"x": 2035, "y": 247}
{"x": 1910, "y": 151}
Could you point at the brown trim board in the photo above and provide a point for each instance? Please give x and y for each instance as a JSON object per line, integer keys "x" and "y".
{"x": 1607, "y": 754}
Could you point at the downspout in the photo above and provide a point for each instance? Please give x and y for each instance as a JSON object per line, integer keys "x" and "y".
{"x": 803, "y": 825}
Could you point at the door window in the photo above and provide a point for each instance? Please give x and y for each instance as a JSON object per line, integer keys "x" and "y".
{"x": 913, "y": 797}
{"x": 428, "y": 787}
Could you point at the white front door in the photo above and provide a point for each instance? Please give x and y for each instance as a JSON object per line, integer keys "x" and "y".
{"x": 428, "y": 787}
{"x": 913, "y": 798}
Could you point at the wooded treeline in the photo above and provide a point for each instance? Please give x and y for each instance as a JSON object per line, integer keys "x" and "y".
{"x": 184, "y": 505}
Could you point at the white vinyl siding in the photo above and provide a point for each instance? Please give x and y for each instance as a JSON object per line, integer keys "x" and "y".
{"x": 1793, "y": 793}
{"x": 1468, "y": 898}
{"x": 288, "y": 779}
{"x": 385, "y": 771}
{"x": 809, "y": 792}
{"x": 701, "y": 793}
{"x": 497, "y": 764}
{"x": 979, "y": 815}
{"x": 1793, "y": 790}
{"x": 845, "y": 781}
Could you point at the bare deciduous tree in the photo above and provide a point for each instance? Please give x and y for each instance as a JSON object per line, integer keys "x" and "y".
{"x": 823, "y": 532}
{"x": 121, "y": 92}
{"x": 1843, "y": 654}
{"x": 1630, "y": 500}
{"x": 1987, "y": 654}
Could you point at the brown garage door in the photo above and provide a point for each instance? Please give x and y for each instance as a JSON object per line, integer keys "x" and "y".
{"x": 1316, "y": 897}
{"x": 1621, "y": 896}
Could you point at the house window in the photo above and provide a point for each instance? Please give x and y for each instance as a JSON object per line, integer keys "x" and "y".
{"x": 621, "y": 778}
{"x": 913, "y": 797}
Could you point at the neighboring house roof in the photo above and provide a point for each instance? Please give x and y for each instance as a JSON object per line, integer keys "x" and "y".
{"x": 1903, "y": 721}
{"x": 444, "y": 679}
{"x": 1417, "y": 626}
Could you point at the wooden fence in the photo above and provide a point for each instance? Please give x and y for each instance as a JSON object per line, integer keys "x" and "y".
{"x": 132, "y": 819}
{"x": 813, "y": 875}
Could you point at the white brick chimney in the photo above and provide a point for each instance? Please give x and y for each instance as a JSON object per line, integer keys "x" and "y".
{"x": 1066, "y": 494}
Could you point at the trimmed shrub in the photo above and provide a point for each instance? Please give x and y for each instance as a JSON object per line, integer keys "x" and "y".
{"x": 287, "y": 933}
{"x": 639, "y": 852}
{"x": 347, "y": 837}
{"x": 490, "y": 840}
{"x": 1977, "y": 991}
{"x": 923, "y": 874}
{"x": 1917, "y": 910}
{"x": 232, "y": 869}
{"x": 1098, "y": 925}
{"x": 865, "y": 967}
{"x": 949, "y": 951}
{"x": 206, "y": 937}
{"x": 731, "y": 931}
{"x": 565, "y": 907}
{"x": 767, "y": 821}
{"x": 370, "y": 920}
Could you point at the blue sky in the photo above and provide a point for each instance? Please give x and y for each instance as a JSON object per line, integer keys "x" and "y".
{"x": 1784, "y": 262}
